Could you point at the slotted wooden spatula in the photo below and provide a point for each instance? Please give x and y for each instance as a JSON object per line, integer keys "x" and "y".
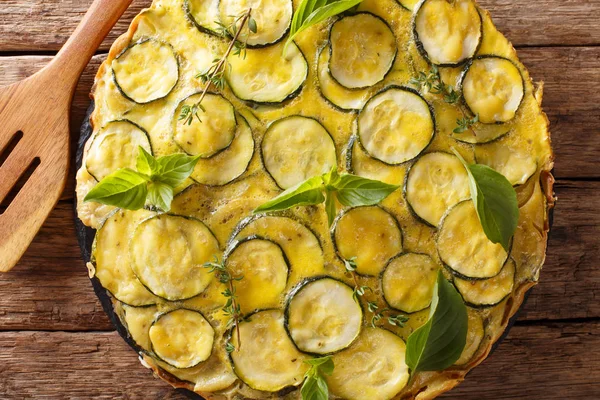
{"x": 34, "y": 132}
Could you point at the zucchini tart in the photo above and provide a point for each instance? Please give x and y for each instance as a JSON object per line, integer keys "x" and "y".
{"x": 390, "y": 91}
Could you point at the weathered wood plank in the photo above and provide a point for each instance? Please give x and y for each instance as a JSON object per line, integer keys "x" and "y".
{"x": 535, "y": 362}
{"x": 44, "y": 25}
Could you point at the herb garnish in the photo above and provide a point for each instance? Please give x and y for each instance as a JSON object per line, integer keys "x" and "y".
{"x": 232, "y": 307}
{"x": 215, "y": 74}
{"x": 439, "y": 343}
{"x": 152, "y": 183}
{"x": 433, "y": 83}
{"x": 315, "y": 386}
{"x": 311, "y": 12}
{"x": 495, "y": 201}
{"x": 465, "y": 123}
{"x": 350, "y": 190}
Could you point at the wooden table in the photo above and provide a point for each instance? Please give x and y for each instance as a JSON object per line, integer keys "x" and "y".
{"x": 56, "y": 342}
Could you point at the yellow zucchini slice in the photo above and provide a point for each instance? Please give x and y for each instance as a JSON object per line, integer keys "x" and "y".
{"x": 436, "y": 182}
{"x": 408, "y": 280}
{"x": 463, "y": 246}
{"x": 488, "y": 292}
{"x": 447, "y": 32}
{"x": 114, "y": 147}
{"x": 369, "y": 235}
{"x": 273, "y": 19}
{"x": 409, "y": 4}
{"x": 146, "y": 71}
{"x": 229, "y": 164}
{"x": 297, "y": 148}
{"x": 396, "y": 125}
{"x": 203, "y": 13}
{"x": 267, "y": 359}
{"x": 322, "y": 316}
{"x": 358, "y": 162}
{"x": 182, "y": 338}
{"x": 475, "y": 335}
{"x": 266, "y": 75}
{"x": 363, "y": 49}
{"x": 209, "y": 133}
{"x": 264, "y": 268}
{"x": 173, "y": 269}
{"x": 372, "y": 368}
{"x": 493, "y": 88}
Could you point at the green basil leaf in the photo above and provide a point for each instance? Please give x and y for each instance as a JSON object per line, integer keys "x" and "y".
{"x": 176, "y": 168}
{"x": 160, "y": 195}
{"x": 309, "y": 192}
{"x": 325, "y": 364}
{"x": 330, "y": 207}
{"x": 356, "y": 191}
{"x": 495, "y": 201}
{"x": 439, "y": 343}
{"x": 315, "y": 388}
{"x": 146, "y": 164}
{"x": 124, "y": 188}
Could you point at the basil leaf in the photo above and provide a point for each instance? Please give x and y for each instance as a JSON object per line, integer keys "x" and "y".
{"x": 160, "y": 195}
{"x": 176, "y": 168}
{"x": 495, "y": 201}
{"x": 309, "y": 192}
{"x": 124, "y": 188}
{"x": 315, "y": 388}
{"x": 330, "y": 207}
{"x": 145, "y": 163}
{"x": 356, "y": 191}
{"x": 325, "y": 364}
{"x": 439, "y": 343}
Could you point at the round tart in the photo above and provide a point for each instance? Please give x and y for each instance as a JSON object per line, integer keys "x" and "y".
{"x": 390, "y": 91}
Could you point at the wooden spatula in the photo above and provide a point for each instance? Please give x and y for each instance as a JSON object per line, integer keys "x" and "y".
{"x": 34, "y": 132}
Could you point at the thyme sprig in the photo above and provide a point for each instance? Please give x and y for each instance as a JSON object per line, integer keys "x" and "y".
{"x": 433, "y": 83}
{"x": 465, "y": 123}
{"x": 232, "y": 307}
{"x": 215, "y": 74}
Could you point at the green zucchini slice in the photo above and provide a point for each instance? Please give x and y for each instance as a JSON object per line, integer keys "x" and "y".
{"x": 447, "y": 32}
{"x": 267, "y": 360}
{"x": 396, "y": 125}
{"x": 368, "y": 235}
{"x": 173, "y": 269}
{"x": 510, "y": 156}
{"x": 488, "y": 292}
{"x": 493, "y": 88}
{"x": 358, "y": 162}
{"x": 436, "y": 182}
{"x": 146, "y": 71}
{"x": 407, "y": 282}
{"x": 204, "y": 14}
{"x": 209, "y": 133}
{"x": 372, "y": 368}
{"x": 267, "y": 76}
{"x": 482, "y": 133}
{"x": 114, "y": 147}
{"x": 322, "y": 316}
{"x": 463, "y": 246}
{"x": 110, "y": 258}
{"x": 475, "y": 335}
{"x": 363, "y": 49}
{"x": 230, "y": 163}
{"x": 273, "y": 19}
{"x": 409, "y": 4}
{"x": 182, "y": 338}
{"x": 297, "y": 148}
{"x": 265, "y": 269}
{"x": 336, "y": 94}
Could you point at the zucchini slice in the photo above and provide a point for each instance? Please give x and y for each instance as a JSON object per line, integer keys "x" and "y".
{"x": 493, "y": 88}
{"x": 273, "y": 19}
{"x": 363, "y": 49}
{"x": 173, "y": 269}
{"x": 358, "y": 162}
{"x": 229, "y": 164}
{"x": 146, "y": 71}
{"x": 212, "y": 132}
{"x": 488, "y": 292}
{"x": 369, "y": 235}
{"x": 512, "y": 158}
{"x": 336, "y": 94}
{"x": 182, "y": 338}
{"x": 475, "y": 335}
{"x": 482, "y": 133}
{"x": 110, "y": 257}
{"x": 463, "y": 246}
{"x": 266, "y": 76}
{"x": 373, "y": 367}
{"x": 436, "y": 182}
{"x": 447, "y": 32}
{"x": 204, "y": 14}
{"x": 297, "y": 148}
{"x": 114, "y": 147}
{"x": 409, "y": 4}
{"x": 322, "y": 316}
{"x": 265, "y": 269}
{"x": 407, "y": 282}
{"x": 396, "y": 125}
{"x": 267, "y": 359}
